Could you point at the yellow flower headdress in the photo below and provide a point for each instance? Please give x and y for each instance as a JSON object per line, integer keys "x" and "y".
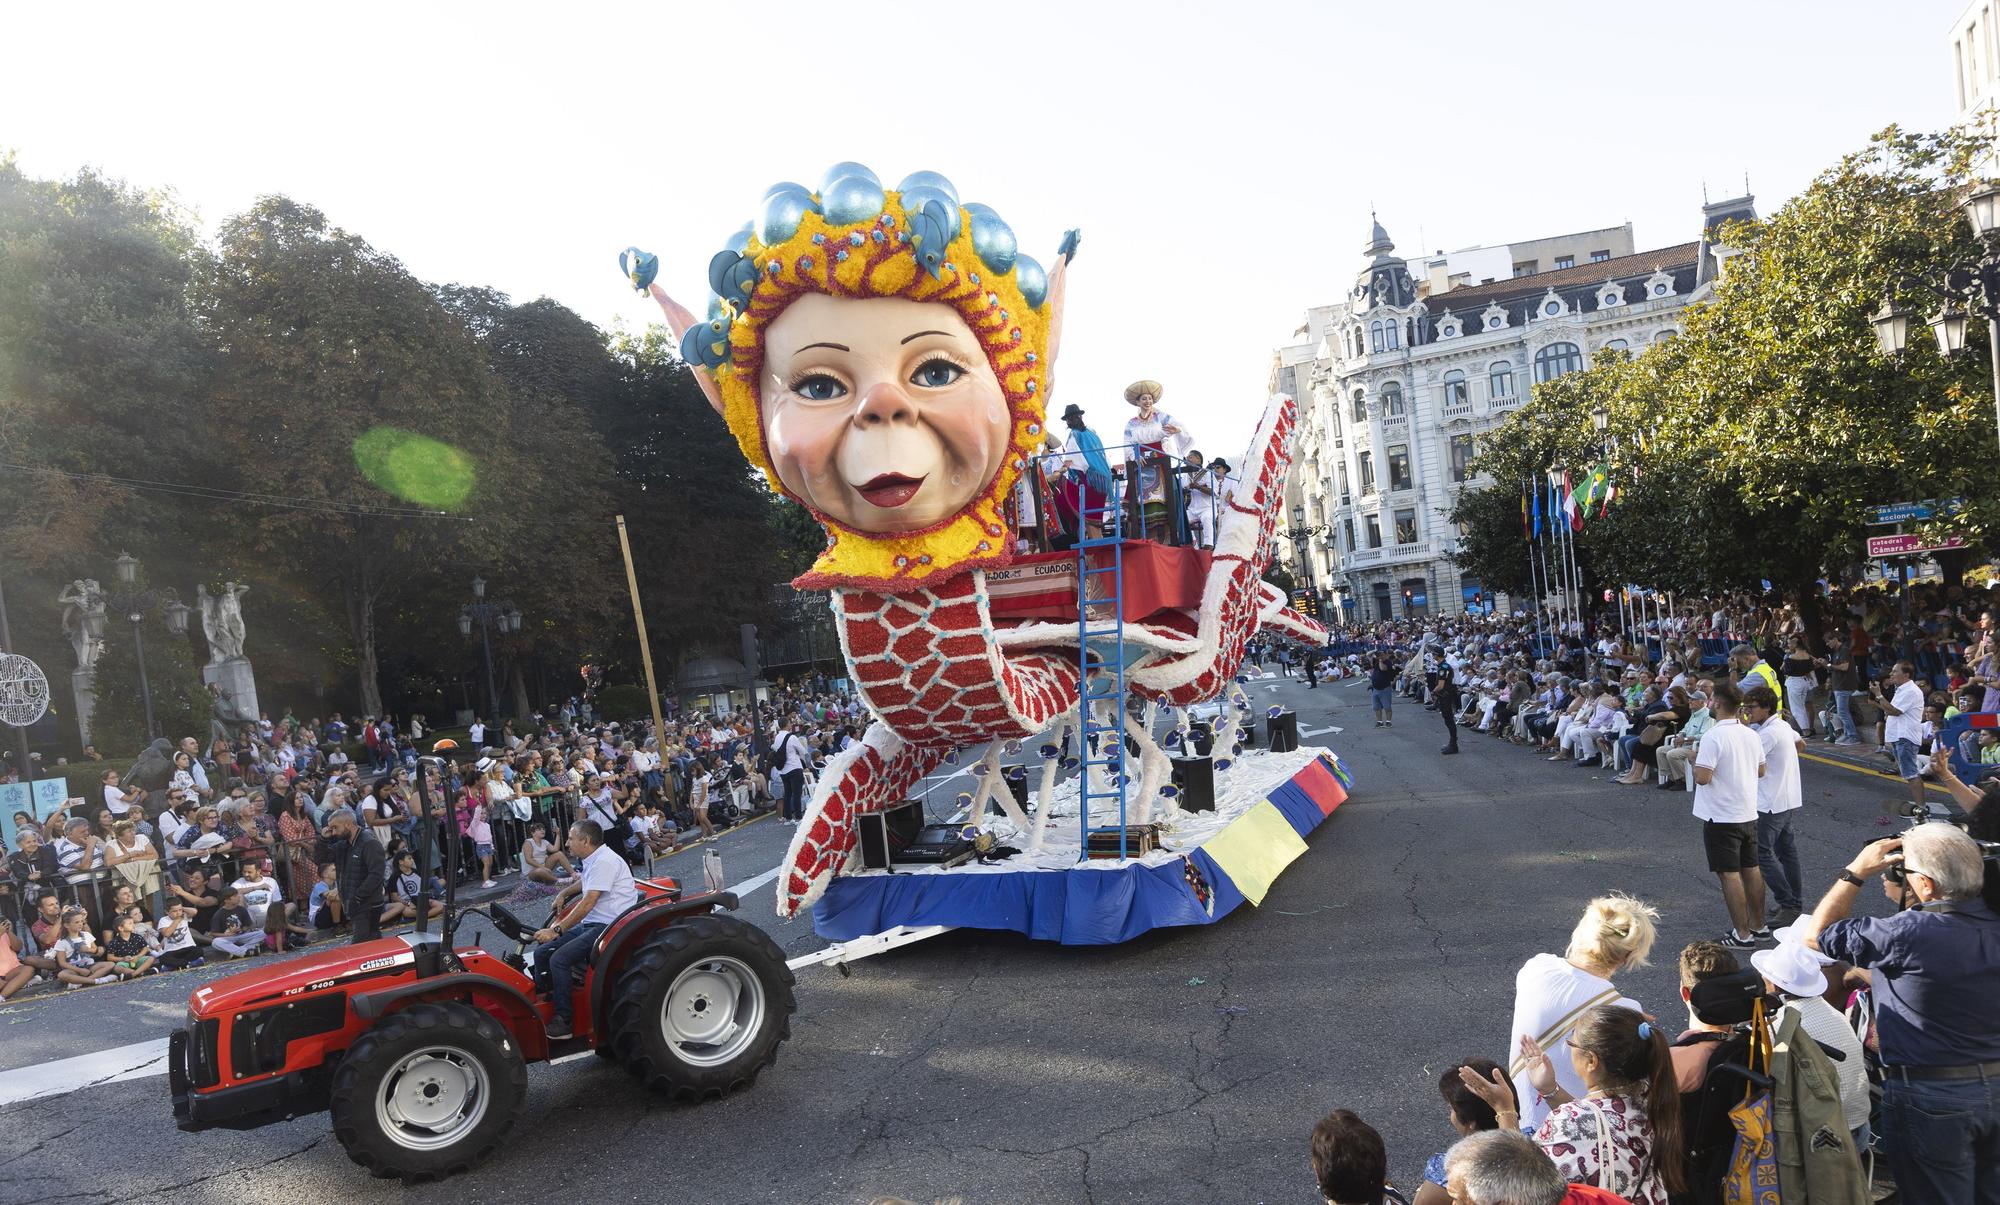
{"x": 853, "y": 238}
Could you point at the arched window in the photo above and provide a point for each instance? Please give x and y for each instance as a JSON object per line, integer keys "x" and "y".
{"x": 1500, "y": 379}
{"x": 1392, "y": 400}
{"x": 1391, "y": 333}
{"x": 1665, "y": 335}
{"x": 1617, "y": 345}
{"x": 1557, "y": 359}
{"x": 1456, "y": 391}
{"x": 1375, "y": 336}
{"x": 1360, "y": 411}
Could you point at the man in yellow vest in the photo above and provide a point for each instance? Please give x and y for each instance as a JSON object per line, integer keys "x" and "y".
{"x": 1751, "y": 670}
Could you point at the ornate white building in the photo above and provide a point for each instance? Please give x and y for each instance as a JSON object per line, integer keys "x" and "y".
{"x": 1397, "y": 382}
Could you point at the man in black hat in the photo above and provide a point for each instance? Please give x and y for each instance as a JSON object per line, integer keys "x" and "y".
{"x": 1086, "y": 479}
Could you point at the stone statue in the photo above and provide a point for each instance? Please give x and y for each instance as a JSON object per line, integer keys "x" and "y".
{"x": 225, "y": 717}
{"x": 83, "y": 600}
{"x": 154, "y": 767}
{"x": 222, "y": 621}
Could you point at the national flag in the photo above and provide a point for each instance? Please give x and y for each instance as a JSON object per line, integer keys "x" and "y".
{"x": 1570, "y": 507}
{"x": 1595, "y": 484}
{"x": 1610, "y": 492}
{"x": 1537, "y": 532}
{"x": 1524, "y": 514}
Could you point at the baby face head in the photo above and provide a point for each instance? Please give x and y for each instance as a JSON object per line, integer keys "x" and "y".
{"x": 883, "y": 413}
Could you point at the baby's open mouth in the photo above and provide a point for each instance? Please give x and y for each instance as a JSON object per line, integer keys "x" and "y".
{"x": 890, "y": 490}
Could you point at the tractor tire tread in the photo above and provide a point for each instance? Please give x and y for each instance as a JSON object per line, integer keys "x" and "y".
{"x": 351, "y": 1102}
{"x": 670, "y": 945}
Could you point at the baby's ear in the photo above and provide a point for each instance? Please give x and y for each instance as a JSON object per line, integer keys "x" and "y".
{"x": 680, "y": 320}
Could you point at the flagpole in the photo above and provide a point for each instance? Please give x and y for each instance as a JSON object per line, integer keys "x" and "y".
{"x": 1534, "y": 537}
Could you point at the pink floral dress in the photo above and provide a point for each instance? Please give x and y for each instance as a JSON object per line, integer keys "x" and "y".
{"x": 1571, "y": 1136}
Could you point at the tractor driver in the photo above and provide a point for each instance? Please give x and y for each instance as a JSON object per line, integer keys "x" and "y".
{"x": 603, "y": 890}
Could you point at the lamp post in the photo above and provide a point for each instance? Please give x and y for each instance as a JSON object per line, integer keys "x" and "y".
{"x": 1973, "y": 286}
{"x": 135, "y": 602}
{"x": 1301, "y": 534}
{"x": 488, "y": 613}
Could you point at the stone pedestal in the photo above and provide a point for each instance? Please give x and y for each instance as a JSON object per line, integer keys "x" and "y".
{"x": 83, "y": 684}
{"x": 238, "y": 684}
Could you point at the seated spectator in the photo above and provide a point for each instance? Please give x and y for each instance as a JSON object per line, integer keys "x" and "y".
{"x": 404, "y": 888}
{"x": 15, "y": 972}
{"x": 33, "y": 870}
{"x": 1350, "y": 1162}
{"x": 127, "y": 949}
{"x": 46, "y": 930}
{"x": 1624, "y": 1133}
{"x": 545, "y": 863}
{"x": 1675, "y": 755}
{"x": 323, "y": 905}
{"x": 177, "y": 945}
{"x": 232, "y": 933}
{"x": 259, "y": 890}
{"x": 1503, "y": 1167}
{"x": 1470, "y": 1114}
{"x": 78, "y": 953}
{"x": 1615, "y": 934}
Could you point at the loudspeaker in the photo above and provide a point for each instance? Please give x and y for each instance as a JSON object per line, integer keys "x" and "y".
{"x": 1016, "y": 778}
{"x": 1284, "y": 730}
{"x": 1204, "y": 740}
{"x": 1195, "y": 779}
{"x": 874, "y": 833}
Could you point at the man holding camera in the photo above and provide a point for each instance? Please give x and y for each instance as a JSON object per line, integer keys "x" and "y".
{"x": 1935, "y": 971}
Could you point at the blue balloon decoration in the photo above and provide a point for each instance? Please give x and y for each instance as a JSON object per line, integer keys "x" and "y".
{"x": 639, "y": 267}
{"x": 934, "y": 180}
{"x": 852, "y": 199}
{"x": 992, "y": 238}
{"x": 1032, "y": 281}
{"x": 740, "y": 241}
{"x": 845, "y": 170}
{"x": 785, "y": 206}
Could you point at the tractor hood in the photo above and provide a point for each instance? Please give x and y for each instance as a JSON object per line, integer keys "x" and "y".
{"x": 277, "y": 981}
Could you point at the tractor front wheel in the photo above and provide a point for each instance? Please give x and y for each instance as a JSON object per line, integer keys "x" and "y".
{"x": 428, "y": 1092}
{"x": 702, "y": 1007}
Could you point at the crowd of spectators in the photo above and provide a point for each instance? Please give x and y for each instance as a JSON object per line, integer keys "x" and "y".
{"x": 232, "y": 856}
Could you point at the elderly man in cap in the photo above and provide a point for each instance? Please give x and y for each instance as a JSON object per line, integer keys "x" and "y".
{"x": 361, "y": 875}
{"x": 1935, "y": 971}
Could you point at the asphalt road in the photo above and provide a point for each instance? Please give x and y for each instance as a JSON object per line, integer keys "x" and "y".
{"x": 1186, "y": 1066}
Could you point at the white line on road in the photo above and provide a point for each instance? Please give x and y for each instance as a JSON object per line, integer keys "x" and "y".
{"x": 137, "y": 1061}
{"x": 1320, "y": 731}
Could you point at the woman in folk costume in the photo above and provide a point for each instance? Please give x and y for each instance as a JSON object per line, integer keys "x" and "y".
{"x": 1085, "y": 475}
{"x": 885, "y": 358}
{"x": 1148, "y": 434}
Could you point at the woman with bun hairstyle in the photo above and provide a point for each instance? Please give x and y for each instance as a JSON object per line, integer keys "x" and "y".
{"x": 1623, "y": 1134}
{"x": 1615, "y": 934}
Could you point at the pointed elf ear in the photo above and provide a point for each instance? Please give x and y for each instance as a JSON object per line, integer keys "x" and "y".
{"x": 1057, "y": 280}
{"x": 680, "y": 321}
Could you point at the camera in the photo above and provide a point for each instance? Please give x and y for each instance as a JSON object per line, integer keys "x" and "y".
{"x": 1933, "y": 813}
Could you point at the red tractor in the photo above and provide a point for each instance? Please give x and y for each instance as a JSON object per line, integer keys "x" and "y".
{"x": 420, "y": 1049}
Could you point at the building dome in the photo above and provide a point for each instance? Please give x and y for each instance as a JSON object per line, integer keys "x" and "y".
{"x": 1379, "y": 242}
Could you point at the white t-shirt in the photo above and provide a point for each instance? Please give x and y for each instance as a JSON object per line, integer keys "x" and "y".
{"x": 476, "y": 734}
{"x": 258, "y": 895}
{"x": 176, "y": 937}
{"x": 117, "y": 800}
{"x": 1546, "y": 990}
{"x": 1909, "y": 726}
{"x": 606, "y": 873}
{"x": 1734, "y": 753}
{"x": 1779, "y": 790}
{"x": 1825, "y": 1024}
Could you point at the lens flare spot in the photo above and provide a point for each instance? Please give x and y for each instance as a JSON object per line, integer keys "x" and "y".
{"x": 416, "y": 468}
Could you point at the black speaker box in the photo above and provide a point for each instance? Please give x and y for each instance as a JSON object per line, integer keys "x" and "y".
{"x": 1194, "y": 777}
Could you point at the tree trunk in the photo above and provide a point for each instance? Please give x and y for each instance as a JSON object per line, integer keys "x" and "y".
{"x": 517, "y": 692}
{"x": 1807, "y": 598}
{"x": 361, "y": 627}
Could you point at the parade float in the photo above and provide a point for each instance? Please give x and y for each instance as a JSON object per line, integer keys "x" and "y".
{"x": 885, "y": 357}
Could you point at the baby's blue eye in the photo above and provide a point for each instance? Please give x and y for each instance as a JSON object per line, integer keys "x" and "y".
{"x": 820, "y": 389}
{"x": 936, "y": 374}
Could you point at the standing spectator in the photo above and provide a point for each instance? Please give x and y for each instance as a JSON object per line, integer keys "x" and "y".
{"x": 117, "y": 798}
{"x": 1448, "y": 702}
{"x": 1935, "y": 971}
{"x": 1614, "y": 935}
{"x": 1727, "y": 765}
{"x": 1903, "y": 724}
{"x": 1779, "y": 798}
{"x": 361, "y": 874}
{"x": 476, "y": 734}
{"x": 1842, "y": 680}
{"x": 300, "y": 837}
{"x": 792, "y": 757}
{"x": 1382, "y": 690}
{"x": 1798, "y": 670}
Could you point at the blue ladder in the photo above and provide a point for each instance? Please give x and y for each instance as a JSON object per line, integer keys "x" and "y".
{"x": 1103, "y": 745}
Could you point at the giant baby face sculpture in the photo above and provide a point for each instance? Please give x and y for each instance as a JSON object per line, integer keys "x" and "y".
{"x": 884, "y": 358}
{"x": 881, "y": 414}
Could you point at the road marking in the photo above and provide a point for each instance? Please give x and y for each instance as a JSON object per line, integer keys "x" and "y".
{"x": 1871, "y": 772}
{"x": 140, "y": 1060}
{"x": 1320, "y": 731}
{"x": 751, "y": 884}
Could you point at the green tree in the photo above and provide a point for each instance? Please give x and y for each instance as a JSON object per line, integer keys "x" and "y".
{"x": 180, "y": 699}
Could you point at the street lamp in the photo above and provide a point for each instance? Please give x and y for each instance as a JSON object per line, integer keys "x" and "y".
{"x": 135, "y": 604}
{"x": 1600, "y": 418}
{"x": 1975, "y": 285}
{"x": 498, "y": 613}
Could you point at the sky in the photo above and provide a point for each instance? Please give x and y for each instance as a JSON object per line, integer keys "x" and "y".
{"x": 1221, "y": 160}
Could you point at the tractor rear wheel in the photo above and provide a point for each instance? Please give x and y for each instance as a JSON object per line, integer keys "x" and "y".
{"x": 702, "y": 1007}
{"x": 429, "y": 1091}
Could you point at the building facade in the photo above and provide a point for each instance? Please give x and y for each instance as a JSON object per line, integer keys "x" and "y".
{"x": 1398, "y": 381}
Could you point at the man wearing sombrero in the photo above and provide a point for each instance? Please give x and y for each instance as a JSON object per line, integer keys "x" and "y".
{"x": 1148, "y": 433}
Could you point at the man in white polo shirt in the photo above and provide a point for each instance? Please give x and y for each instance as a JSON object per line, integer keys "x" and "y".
{"x": 1727, "y": 765}
{"x": 603, "y": 890}
{"x": 1903, "y": 724}
{"x": 1778, "y": 800}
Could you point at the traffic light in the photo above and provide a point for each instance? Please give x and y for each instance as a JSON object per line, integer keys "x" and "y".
{"x": 1476, "y": 597}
